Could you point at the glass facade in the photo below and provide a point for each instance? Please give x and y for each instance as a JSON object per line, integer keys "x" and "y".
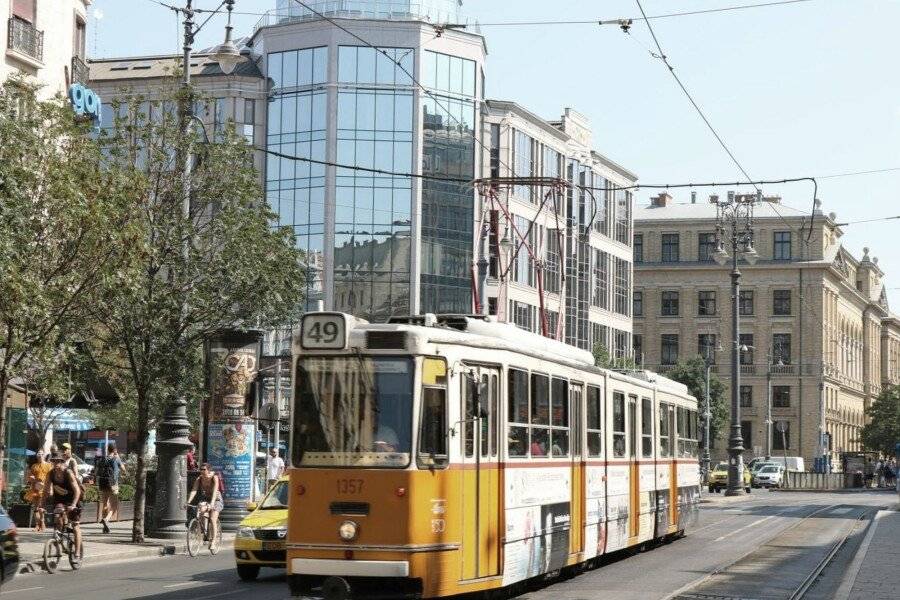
{"x": 375, "y": 128}
{"x": 297, "y": 124}
{"x": 448, "y": 149}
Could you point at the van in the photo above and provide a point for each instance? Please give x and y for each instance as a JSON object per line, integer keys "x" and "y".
{"x": 791, "y": 463}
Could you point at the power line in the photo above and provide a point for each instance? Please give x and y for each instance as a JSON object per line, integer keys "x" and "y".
{"x": 874, "y": 220}
{"x": 853, "y": 173}
{"x": 662, "y": 57}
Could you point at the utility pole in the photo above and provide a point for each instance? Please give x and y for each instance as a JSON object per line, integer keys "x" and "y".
{"x": 768, "y": 406}
{"x": 707, "y": 417}
{"x": 277, "y": 440}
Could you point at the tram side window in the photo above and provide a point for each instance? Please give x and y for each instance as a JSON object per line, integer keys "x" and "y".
{"x": 540, "y": 415}
{"x": 559, "y": 396}
{"x": 618, "y": 424}
{"x": 518, "y": 413}
{"x": 695, "y": 434}
{"x": 683, "y": 433}
{"x": 470, "y": 392}
{"x": 594, "y": 421}
{"x": 632, "y": 426}
{"x": 646, "y": 428}
{"x": 433, "y": 430}
{"x": 664, "y": 442}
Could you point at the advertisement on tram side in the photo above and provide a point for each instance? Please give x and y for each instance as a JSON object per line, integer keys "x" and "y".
{"x": 538, "y": 540}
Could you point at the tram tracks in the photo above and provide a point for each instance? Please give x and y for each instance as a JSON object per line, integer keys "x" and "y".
{"x": 771, "y": 569}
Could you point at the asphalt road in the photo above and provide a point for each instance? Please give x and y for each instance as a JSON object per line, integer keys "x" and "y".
{"x": 735, "y": 537}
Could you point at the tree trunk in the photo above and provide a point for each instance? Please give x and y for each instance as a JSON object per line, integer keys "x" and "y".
{"x": 140, "y": 477}
{"x": 4, "y": 385}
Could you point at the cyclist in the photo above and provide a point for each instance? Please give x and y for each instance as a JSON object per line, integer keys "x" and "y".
{"x": 206, "y": 488}
{"x": 63, "y": 489}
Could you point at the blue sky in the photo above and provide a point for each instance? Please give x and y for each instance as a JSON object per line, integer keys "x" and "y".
{"x": 809, "y": 89}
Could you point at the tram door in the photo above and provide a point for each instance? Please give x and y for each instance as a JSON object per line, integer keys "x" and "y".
{"x": 481, "y": 483}
{"x": 577, "y": 518}
{"x": 634, "y": 509}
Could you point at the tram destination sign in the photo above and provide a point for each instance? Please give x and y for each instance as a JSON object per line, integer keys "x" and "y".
{"x": 323, "y": 331}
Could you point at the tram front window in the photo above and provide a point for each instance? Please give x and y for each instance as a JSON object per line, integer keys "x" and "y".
{"x": 353, "y": 411}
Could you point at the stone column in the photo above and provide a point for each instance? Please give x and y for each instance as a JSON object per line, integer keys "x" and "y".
{"x": 171, "y": 472}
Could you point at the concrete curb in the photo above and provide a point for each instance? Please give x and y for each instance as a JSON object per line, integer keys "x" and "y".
{"x": 846, "y": 587}
{"x": 35, "y": 564}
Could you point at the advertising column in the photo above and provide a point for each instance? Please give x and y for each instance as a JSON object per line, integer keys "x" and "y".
{"x": 230, "y": 435}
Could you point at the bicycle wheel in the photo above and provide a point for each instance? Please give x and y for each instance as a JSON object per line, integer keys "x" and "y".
{"x": 194, "y": 537}
{"x": 76, "y": 558}
{"x": 52, "y": 555}
{"x": 216, "y": 542}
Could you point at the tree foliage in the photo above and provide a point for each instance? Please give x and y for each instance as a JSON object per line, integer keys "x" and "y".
{"x": 63, "y": 219}
{"x": 692, "y": 373}
{"x": 882, "y": 432}
{"x": 218, "y": 265}
{"x": 604, "y": 358}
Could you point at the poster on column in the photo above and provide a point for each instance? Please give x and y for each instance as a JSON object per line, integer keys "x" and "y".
{"x": 231, "y": 454}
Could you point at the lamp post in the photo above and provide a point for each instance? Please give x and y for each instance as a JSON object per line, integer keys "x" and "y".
{"x": 707, "y": 416}
{"x": 734, "y": 219}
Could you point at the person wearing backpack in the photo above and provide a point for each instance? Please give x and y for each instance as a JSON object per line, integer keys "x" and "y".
{"x": 108, "y": 469}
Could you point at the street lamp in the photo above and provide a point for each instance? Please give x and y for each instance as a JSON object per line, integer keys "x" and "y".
{"x": 227, "y": 54}
{"x": 734, "y": 218}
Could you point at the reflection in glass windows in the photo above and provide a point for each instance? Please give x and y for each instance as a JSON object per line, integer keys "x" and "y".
{"x": 448, "y": 149}
{"x": 296, "y": 127}
{"x": 372, "y": 242}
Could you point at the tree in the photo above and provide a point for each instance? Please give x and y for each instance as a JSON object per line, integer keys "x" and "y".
{"x": 217, "y": 265}
{"x": 604, "y": 358}
{"x": 692, "y": 373}
{"x": 882, "y": 432}
{"x": 62, "y": 221}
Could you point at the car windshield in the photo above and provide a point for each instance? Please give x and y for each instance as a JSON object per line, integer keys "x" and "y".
{"x": 769, "y": 469}
{"x": 721, "y": 467}
{"x": 353, "y": 411}
{"x": 277, "y": 497}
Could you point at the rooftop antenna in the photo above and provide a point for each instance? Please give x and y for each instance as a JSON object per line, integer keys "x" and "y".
{"x": 98, "y": 16}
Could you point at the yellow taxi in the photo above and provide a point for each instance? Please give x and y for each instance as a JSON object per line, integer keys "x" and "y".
{"x": 260, "y": 538}
{"x": 718, "y": 478}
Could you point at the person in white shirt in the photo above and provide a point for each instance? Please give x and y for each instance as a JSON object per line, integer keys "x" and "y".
{"x": 274, "y": 467}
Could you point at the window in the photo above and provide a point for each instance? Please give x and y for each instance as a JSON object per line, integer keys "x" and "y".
{"x": 781, "y": 302}
{"x": 746, "y": 340}
{"x": 433, "y": 427}
{"x": 600, "y": 292}
{"x": 669, "y": 304}
{"x": 518, "y": 413}
{"x": 524, "y": 163}
{"x": 79, "y": 39}
{"x": 706, "y": 347}
{"x": 595, "y": 421}
{"x": 781, "y": 348}
{"x": 637, "y": 304}
{"x": 540, "y": 416}
{"x": 24, "y": 9}
{"x": 559, "y": 417}
{"x": 747, "y": 433}
{"x": 782, "y": 245}
{"x": 646, "y": 427}
{"x": 781, "y": 396}
{"x": 523, "y": 268}
{"x": 638, "y": 247}
{"x": 745, "y": 304}
{"x": 706, "y": 246}
{"x": 637, "y": 343}
{"x": 781, "y": 440}
{"x": 706, "y": 303}
{"x": 618, "y": 424}
{"x": 746, "y": 396}
{"x": 668, "y": 354}
{"x": 632, "y": 426}
{"x": 622, "y": 285}
{"x": 664, "y": 439}
{"x": 670, "y": 243}
{"x": 249, "y": 118}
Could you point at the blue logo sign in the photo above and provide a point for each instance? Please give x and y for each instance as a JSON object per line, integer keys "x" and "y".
{"x": 86, "y": 103}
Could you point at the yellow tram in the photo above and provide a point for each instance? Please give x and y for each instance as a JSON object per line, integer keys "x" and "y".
{"x": 440, "y": 455}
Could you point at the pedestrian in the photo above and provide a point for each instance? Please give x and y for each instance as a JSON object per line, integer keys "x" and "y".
{"x": 69, "y": 461}
{"x": 37, "y": 479}
{"x": 109, "y": 469}
{"x": 879, "y": 474}
{"x": 191, "y": 459}
{"x": 274, "y": 467}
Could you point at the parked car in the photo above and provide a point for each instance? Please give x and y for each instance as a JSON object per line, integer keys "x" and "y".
{"x": 9, "y": 548}
{"x": 769, "y": 476}
{"x": 260, "y": 540}
{"x": 718, "y": 478}
{"x": 757, "y": 466}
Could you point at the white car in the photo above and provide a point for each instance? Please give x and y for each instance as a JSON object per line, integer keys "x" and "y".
{"x": 769, "y": 476}
{"x": 84, "y": 469}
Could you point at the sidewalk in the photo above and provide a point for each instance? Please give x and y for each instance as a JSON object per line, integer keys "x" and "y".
{"x": 100, "y": 548}
{"x": 874, "y": 574}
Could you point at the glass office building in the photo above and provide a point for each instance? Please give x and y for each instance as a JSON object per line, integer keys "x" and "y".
{"x": 379, "y": 239}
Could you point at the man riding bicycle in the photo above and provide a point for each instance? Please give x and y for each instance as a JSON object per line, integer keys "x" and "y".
{"x": 206, "y": 488}
{"x": 63, "y": 490}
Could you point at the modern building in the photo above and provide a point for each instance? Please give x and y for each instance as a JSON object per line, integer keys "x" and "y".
{"x": 45, "y": 40}
{"x": 814, "y": 319}
{"x": 581, "y": 237}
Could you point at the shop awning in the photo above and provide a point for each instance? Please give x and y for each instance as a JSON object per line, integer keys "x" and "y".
{"x": 65, "y": 420}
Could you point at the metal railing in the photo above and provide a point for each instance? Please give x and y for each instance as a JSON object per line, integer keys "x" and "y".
{"x": 80, "y": 71}
{"x": 748, "y": 369}
{"x": 26, "y": 38}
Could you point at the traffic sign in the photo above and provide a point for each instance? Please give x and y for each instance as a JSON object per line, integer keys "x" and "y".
{"x": 781, "y": 426}
{"x": 268, "y": 415}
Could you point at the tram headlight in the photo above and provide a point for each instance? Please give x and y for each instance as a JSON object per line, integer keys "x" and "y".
{"x": 348, "y": 531}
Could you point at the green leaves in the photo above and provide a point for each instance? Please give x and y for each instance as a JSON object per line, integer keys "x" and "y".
{"x": 692, "y": 373}
{"x": 882, "y": 431}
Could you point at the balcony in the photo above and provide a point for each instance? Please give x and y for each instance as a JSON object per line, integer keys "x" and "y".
{"x": 26, "y": 42}
{"x": 748, "y": 369}
{"x": 80, "y": 71}
{"x": 783, "y": 369}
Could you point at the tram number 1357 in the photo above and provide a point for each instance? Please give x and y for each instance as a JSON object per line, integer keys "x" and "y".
{"x": 349, "y": 486}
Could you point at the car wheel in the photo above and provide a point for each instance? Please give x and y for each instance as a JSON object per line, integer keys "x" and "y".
{"x": 248, "y": 572}
{"x": 747, "y": 489}
{"x": 711, "y": 489}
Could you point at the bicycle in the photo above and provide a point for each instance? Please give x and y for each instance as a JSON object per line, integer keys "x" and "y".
{"x": 63, "y": 540}
{"x": 198, "y": 531}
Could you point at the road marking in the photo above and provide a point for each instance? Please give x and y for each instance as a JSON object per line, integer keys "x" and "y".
{"x": 173, "y": 585}
{"x": 31, "y": 589}
{"x": 757, "y": 522}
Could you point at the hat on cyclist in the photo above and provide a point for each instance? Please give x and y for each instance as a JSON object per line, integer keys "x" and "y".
{"x": 67, "y": 446}
{"x": 57, "y": 457}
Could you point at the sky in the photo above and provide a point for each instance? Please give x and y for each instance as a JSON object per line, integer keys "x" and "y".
{"x": 799, "y": 90}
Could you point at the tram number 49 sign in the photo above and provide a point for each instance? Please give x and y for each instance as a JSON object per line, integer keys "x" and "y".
{"x": 324, "y": 331}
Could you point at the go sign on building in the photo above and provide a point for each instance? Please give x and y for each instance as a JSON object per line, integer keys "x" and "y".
{"x": 86, "y": 103}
